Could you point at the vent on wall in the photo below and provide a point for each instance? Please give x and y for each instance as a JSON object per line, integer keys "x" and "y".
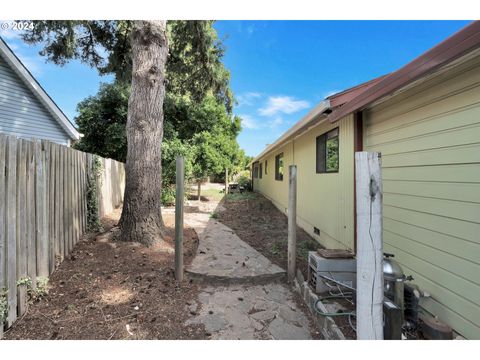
{"x": 316, "y": 231}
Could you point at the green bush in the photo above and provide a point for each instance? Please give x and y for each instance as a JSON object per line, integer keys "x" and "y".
{"x": 168, "y": 195}
{"x": 244, "y": 180}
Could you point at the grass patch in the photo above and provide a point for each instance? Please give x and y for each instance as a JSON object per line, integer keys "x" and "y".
{"x": 241, "y": 196}
{"x": 303, "y": 247}
{"x": 206, "y": 194}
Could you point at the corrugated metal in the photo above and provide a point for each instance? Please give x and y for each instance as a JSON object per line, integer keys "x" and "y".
{"x": 324, "y": 201}
{"x": 429, "y": 138}
{"x": 22, "y": 114}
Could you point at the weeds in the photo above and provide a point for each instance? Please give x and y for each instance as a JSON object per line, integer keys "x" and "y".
{"x": 3, "y": 305}
{"x": 241, "y": 196}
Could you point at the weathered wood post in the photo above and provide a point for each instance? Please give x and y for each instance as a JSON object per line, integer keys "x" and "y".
{"x": 3, "y": 245}
{"x": 226, "y": 181}
{"x": 292, "y": 221}
{"x": 179, "y": 219}
{"x": 369, "y": 246}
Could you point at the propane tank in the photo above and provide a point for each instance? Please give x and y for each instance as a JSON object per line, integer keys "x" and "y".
{"x": 394, "y": 280}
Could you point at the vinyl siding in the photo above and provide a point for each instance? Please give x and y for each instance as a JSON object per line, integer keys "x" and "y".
{"x": 429, "y": 138}
{"x": 22, "y": 114}
{"x": 324, "y": 201}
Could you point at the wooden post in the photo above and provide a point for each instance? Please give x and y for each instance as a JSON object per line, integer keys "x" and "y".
{"x": 21, "y": 225}
{"x": 179, "y": 220}
{"x": 226, "y": 181}
{"x": 41, "y": 211}
{"x": 31, "y": 217}
{"x": 292, "y": 221}
{"x": 369, "y": 246}
{"x": 3, "y": 244}
{"x": 11, "y": 228}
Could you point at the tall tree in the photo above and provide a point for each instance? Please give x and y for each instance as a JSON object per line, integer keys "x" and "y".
{"x": 141, "y": 218}
{"x": 198, "y": 99}
{"x": 145, "y": 42}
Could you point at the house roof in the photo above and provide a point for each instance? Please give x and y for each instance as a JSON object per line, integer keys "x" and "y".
{"x": 37, "y": 90}
{"x": 459, "y": 44}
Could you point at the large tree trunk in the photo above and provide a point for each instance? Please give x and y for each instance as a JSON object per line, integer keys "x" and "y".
{"x": 141, "y": 216}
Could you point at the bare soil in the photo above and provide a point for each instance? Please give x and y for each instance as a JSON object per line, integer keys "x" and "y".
{"x": 260, "y": 224}
{"x": 113, "y": 290}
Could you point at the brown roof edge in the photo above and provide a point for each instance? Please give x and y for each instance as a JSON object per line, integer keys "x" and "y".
{"x": 448, "y": 50}
{"x": 347, "y": 95}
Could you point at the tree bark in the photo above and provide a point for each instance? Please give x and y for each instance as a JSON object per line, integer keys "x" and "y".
{"x": 199, "y": 190}
{"x": 141, "y": 218}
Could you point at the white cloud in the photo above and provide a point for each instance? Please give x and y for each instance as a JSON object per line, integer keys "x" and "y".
{"x": 247, "y": 98}
{"x": 282, "y": 104}
{"x": 275, "y": 122}
{"x": 249, "y": 122}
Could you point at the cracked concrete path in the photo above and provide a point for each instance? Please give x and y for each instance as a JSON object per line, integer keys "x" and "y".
{"x": 244, "y": 298}
{"x": 250, "y": 312}
{"x": 223, "y": 256}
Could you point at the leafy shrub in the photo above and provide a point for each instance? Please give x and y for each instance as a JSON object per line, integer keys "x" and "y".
{"x": 168, "y": 195}
{"x": 244, "y": 180}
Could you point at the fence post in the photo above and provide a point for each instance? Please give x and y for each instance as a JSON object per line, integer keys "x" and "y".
{"x": 292, "y": 221}
{"x": 41, "y": 210}
{"x": 226, "y": 181}
{"x": 3, "y": 245}
{"x": 179, "y": 219}
{"x": 11, "y": 228}
{"x": 369, "y": 246}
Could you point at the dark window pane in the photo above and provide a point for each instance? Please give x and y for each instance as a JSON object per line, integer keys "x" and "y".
{"x": 327, "y": 159}
{"x": 321, "y": 146}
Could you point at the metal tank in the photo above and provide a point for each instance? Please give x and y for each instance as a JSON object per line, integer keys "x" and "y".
{"x": 394, "y": 280}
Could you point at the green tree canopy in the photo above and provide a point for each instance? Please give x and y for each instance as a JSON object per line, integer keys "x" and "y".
{"x": 194, "y": 67}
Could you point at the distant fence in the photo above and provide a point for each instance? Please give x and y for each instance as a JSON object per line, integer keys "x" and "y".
{"x": 43, "y": 211}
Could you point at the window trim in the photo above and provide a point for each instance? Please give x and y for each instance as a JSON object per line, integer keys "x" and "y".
{"x": 260, "y": 170}
{"x": 325, "y": 135}
{"x": 278, "y": 176}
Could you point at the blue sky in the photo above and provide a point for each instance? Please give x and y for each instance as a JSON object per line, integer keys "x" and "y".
{"x": 279, "y": 69}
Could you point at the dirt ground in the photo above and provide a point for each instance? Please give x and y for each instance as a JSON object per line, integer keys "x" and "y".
{"x": 111, "y": 290}
{"x": 268, "y": 232}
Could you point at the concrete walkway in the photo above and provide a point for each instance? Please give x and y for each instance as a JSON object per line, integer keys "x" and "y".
{"x": 244, "y": 298}
{"x": 250, "y": 312}
{"x": 223, "y": 256}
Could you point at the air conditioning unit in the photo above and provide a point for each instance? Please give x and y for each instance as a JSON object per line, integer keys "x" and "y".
{"x": 327, "y": 274}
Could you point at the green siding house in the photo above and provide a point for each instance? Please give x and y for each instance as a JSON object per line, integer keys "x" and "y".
{"x": 424, "y": 119}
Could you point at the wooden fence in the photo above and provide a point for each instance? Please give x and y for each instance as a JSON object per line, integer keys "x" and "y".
{"x": 43, "y": 211}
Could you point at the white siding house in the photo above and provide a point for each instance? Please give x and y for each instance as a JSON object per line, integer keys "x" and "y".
{"x": 26, "y": 110}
